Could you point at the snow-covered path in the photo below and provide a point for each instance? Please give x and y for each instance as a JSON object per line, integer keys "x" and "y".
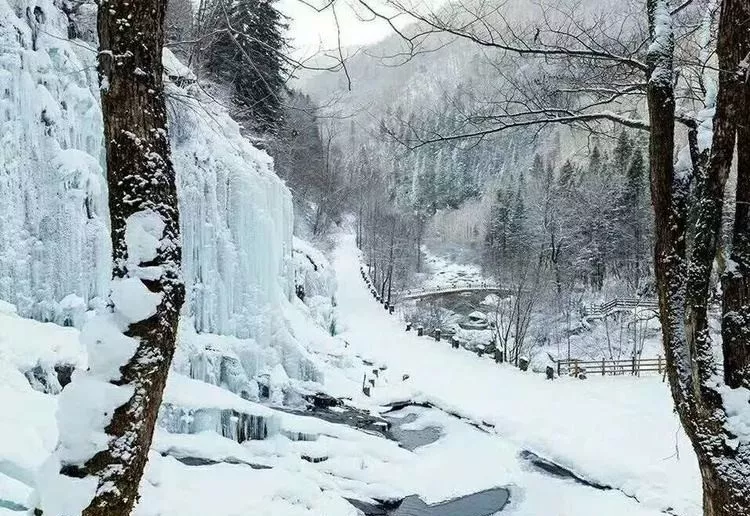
{"x": 619, "y": 432}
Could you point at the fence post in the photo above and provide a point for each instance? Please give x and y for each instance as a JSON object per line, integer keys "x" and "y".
{"x": 633, "y": 367}
{"x": 559, "y": 363}
{"x": 658, "y": 363}
{"x": 602, "y": 367}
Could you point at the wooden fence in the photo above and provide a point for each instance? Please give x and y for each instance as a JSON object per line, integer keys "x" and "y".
{"x": 619, "y": 305}
{"x": 606, "y": 366}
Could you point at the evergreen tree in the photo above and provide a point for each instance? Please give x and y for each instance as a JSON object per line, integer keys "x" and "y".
{"x": 637, "y": 213}
{"x": 567, "y": 175}
{"x": 517, "y": 234}
{"x": 596, "y": 163}
{"x": 496, "y": 239}
{"x": 635, "y": 181}
{"x": 622, "y": 153}
{"x": 247, "y": 53}
{"x": 537, "y": 167}
{"x": 549, "y": 175}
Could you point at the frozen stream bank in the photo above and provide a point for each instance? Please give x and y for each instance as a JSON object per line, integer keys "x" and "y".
{"x": 608, "y": 465}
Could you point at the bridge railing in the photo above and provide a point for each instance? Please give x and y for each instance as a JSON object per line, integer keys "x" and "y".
{"x": 450, "y": 287}
{"x": 619, "y": 304}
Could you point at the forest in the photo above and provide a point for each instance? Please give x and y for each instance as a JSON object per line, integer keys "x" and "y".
{"x": 301, "y": 257}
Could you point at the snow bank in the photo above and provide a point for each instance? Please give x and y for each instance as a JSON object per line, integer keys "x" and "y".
{"x": 618, "y": 431}
{"x": 25, "y": 344}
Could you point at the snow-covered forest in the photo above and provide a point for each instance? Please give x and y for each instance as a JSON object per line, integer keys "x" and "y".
{"x": 343, "y": 257}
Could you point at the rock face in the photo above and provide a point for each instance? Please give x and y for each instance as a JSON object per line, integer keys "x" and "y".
{"x": 314, "y": 459}
{"x": 321, "y": 400}
{"x": 48, "y": 379}
{"x": 557, "y": 470}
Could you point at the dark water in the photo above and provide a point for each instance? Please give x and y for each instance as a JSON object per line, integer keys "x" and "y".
{"x": 483, "y": 503}
{"x": 348, "y": 416}
{"x": 12, "y": 506}
{"x": 412, "y": 439}
{"x": 556, "y": 470}
{"x": 203, "y": 461}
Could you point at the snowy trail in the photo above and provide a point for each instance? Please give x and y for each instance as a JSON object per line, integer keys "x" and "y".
{"x": 617, "y": 432}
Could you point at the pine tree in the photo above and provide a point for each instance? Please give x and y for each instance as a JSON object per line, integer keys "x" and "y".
{"x": 496, "y": 239}
{"x": 636, "y": 206}
{"x": 517, "y": 227}
{"x": 596, "y": 163}
{"x": 567, "y": 175}
{"x": 537, "y": 167}
{"x": 635, "y": 185}
{"x": 247, "y": 54}
{"x": 622, "y": 153}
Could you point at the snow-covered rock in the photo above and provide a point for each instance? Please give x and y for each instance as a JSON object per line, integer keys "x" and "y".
{"x": 315, "y": 283}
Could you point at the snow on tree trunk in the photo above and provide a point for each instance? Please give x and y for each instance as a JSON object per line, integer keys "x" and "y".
{"x": 714, "y": 410}
{"x": 108, "y": 413}
{"x": 736, "y": 279}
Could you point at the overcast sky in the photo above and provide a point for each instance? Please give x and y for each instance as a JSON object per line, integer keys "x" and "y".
{"x": 310, "y": 31}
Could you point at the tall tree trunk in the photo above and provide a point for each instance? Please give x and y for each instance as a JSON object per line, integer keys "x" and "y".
{"x": 130, "y": 367}
{"x": 141, "y": 179}
{"x": 390, "y": 259}
{"x": 682, "y": 279}
{"x": 420, "y": 229}
{"x": 736, "y": 280}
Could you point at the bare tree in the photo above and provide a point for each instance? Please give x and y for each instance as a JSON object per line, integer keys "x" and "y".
{"x": 178, "y": 22}
{"x": 601, "y": 64}
{"x": 700, "y": 390}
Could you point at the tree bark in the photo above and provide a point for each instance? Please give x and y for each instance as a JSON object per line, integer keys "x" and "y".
{"x": 390, "y": 259}
{"x": 420, "y": 229}
{"x": 141, "y": 177}
{"x": 736, "y": 280}
{"x": 682, "y": 279}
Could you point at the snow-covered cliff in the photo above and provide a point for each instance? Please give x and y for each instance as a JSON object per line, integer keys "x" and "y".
{"x": 54, "y": 242}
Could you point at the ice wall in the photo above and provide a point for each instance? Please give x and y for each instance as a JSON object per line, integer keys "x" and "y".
{"x": 53, "y": 238}
{"x": 236, "y": 214}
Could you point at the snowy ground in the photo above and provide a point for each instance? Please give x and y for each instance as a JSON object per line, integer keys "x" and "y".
{"x": 617, "y": 431}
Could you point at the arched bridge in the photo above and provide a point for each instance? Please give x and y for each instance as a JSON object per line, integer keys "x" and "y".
{"x": 455, "y": 288}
